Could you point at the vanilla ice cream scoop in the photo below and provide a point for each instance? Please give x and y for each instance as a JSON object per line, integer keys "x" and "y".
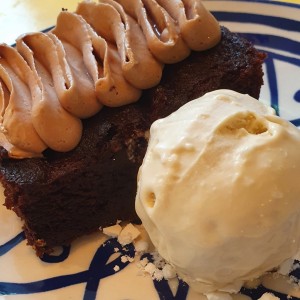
{"x": 219, "y": 191}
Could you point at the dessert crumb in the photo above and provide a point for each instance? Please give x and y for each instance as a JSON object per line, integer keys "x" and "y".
{"x": 159, "y": 269}
{"x": 268, "y": 296}
{"x": 169, "y": 272}
{"x": 218, "y": 296}
{"x": 286, "y": 267}
{"x": 116, "y": 268}
{"x": 112, "y": 231}
{"x": 150, "y": 268}
{"x": 126, "y": 258}
{"x": 128, "y": 234}
{"x": 143, "y": 262}
{"x": 141, "y": 246}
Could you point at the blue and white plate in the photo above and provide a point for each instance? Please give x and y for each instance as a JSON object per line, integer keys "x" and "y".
{"x": 87, "y": 269}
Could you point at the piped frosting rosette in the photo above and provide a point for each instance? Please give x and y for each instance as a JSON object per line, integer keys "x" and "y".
{"x": 105, "y": 53}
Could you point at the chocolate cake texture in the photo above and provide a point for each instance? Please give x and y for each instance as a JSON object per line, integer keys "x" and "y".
{"x": 63, "y": 196}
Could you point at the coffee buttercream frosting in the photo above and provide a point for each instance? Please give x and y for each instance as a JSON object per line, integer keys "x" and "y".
{"x": 105, "y": 53}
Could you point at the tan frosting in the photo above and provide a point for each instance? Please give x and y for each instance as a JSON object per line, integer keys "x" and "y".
{"x": 17, "y": 129}
{"x": 104, "y": 54}
{"x": 197, "y": 25}
{"x": 110, "y": 21}
{"x": 59, "y": 129}
{"x": 198, "y": 29}
{"x": 76, "y": 92}
{"x": 111, "y": 87}
{"x": 160, "y": 30}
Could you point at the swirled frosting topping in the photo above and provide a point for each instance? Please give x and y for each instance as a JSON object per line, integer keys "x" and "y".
{"x": 105, "y": 53}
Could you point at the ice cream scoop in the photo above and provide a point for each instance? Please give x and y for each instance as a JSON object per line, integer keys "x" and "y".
{"x": 218, "y": 190}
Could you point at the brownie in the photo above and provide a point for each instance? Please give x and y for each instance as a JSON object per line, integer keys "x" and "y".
{"x": 63, "y": 196}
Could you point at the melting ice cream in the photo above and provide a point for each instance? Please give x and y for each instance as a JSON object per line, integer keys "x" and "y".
{"x": 218, "y": 191}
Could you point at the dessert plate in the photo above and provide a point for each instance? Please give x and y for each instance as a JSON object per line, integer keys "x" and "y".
{"x": 95, "y": 268}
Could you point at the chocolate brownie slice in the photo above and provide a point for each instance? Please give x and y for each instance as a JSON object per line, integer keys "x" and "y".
{"x": 65, "y": 195}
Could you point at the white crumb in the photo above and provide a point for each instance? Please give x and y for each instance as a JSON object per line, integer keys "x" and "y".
{"x": 116, "y": 268}
{"x": 150, "y": 268}
{"x": 268, "y": 296}
{"x": 218, "y": 296}
{"x": 112, "y": 231}
{"x": 286, "y": 267}
{"x": 158, "y": 269}
{"x": 169, "y": 272}
{"x": 128, "y": 234}
{"x": 158, "y": 275}
{"x": 130, "y": 259}
{"x": 143, "y": 262}
{"x": 126, "y": 258}
{"x": 141, "y": 246}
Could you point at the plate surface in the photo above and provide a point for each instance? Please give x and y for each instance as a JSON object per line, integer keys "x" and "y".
{"x": 81, "y": 271}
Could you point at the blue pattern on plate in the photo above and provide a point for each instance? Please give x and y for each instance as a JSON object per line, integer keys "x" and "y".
{"x": 260, "y": 290}
{"x": 99, "y": 269}
{"x": 12, "y": 243}
{"x": 250, "y": 18}
{"x": 269, "y": 2}
{"x": 57, "y": 258}
{"x": 163, "y": 288}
